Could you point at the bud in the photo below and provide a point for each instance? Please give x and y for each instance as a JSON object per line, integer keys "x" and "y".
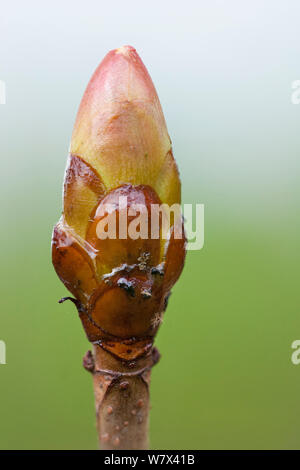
{"x": 120, "y": 157}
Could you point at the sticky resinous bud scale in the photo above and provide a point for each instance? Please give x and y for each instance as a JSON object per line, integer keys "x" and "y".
{"x": 120, "y": 166}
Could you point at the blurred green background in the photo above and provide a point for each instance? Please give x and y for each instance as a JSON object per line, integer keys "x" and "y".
{"x": 223, "y": 71}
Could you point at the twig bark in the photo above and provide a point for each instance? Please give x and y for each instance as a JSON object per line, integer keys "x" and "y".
{"x": 121, "y": 398}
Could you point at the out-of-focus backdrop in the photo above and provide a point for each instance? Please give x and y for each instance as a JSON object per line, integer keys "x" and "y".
{"x": 223, "y": 71}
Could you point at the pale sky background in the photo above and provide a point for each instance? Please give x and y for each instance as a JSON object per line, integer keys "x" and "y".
{"x": 223, "y": 71}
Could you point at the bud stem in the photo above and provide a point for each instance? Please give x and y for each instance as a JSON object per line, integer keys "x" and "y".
{"x": 121, "y": 398}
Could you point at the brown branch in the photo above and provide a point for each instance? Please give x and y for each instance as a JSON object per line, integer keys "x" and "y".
{"x": 121, "y": 398}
